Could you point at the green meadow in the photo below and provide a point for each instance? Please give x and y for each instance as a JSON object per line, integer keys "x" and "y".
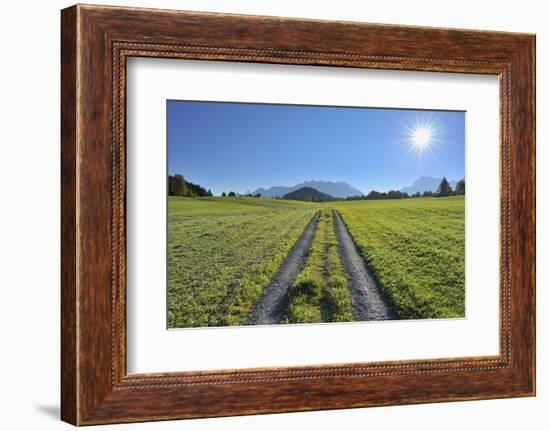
{"x": 223, "y": 252}
{"x": 415, "y": 248}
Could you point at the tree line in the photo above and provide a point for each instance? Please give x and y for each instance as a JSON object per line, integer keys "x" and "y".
{"x": 443, "y": 190}
{"x": 179, "y": 186}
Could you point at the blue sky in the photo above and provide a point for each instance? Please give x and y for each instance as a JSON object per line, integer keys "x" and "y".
{"x": 241, "y": 147}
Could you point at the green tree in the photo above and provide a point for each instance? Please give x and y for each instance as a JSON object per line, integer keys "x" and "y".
{"x": 176, "y": 185}
{"x": 444, "y": 188}
{"x": 232, "y": 194}
{"x": 460, "y": 188}
{"x": 223, "y": 194}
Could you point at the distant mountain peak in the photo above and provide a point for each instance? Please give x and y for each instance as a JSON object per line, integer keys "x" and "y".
{"x": 339, "y": 189}
{"x": 308, "y": 194}
{"x": 426, "y": 184}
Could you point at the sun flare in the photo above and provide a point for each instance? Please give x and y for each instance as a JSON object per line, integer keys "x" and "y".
{"x": 421, "y": 136}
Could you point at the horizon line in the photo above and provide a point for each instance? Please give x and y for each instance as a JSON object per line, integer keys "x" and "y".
{"x": 327, "y": 181}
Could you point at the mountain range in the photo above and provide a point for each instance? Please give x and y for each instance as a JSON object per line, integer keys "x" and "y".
{"x": 339, "y": 189}
{"x": 424, "y": 184}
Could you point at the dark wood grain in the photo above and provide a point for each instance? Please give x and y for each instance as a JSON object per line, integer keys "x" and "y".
{"x": 69, "y": 367}
{"x": 96, "y": 41}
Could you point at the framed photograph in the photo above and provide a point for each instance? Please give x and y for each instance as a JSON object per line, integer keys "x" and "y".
{"x": 266, "y": 215}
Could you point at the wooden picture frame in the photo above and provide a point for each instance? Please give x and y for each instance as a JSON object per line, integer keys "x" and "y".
{"x": 95, "y": 43}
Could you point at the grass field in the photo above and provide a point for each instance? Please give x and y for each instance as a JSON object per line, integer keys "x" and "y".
{"x": 320, "y": 292}
{"x": 222, "y": 252}
{"x": 415, "y": 247}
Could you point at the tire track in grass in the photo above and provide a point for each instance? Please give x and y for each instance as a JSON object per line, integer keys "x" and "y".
{"x": 271, "y": 307}
{"x": 320, "y": 292}
{"x": 368, "y": 302}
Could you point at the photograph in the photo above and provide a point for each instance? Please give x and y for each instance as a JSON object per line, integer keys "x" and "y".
{"x": 302, "y": 214}
{"x": 277, "y": 210}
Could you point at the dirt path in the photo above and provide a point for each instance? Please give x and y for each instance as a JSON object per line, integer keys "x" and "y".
{"x": 272, "y": 305}
{"x": 367, "y": 301}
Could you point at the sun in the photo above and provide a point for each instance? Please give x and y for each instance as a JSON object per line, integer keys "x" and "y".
{"x": 421, "y": 137}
